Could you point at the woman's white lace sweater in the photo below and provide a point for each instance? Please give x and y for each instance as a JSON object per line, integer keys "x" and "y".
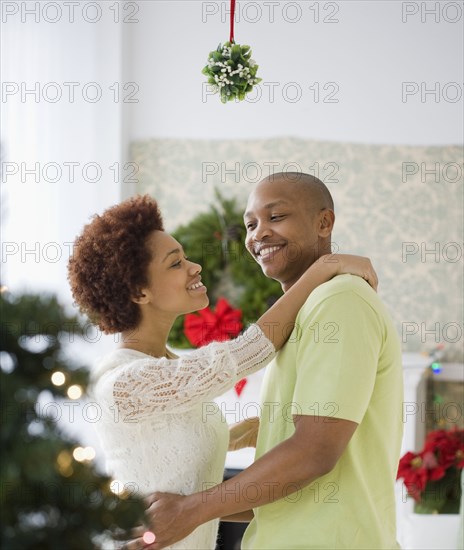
{"x": 160, "y": 428}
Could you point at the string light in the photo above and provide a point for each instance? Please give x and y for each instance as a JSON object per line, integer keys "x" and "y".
{"x": 64, "y": 463}
{"x": 79, "y": 454}
{"x": 436, "y": 367}
{"x": 122, "y": 490}
{"x": 84, "y": 454}
{"x": 58, "y": 378}
{"x": 117, "y": 487}
{"x": 89, "y": 453}
{"x": 74, "y": 392}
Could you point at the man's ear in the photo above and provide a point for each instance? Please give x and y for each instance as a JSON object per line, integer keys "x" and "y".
{"x": 326, "y": 222}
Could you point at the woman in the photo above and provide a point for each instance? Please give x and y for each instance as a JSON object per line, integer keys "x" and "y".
{"x": 157, "y": 428}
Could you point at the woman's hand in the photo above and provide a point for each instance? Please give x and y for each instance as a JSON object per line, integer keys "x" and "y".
{"x": 243, "y": 434}
{"x": 349, "y": 263}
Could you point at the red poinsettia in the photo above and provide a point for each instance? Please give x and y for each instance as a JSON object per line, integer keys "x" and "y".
{"x": 412, "y": 470}
{"x": 213, "y": 326}
{"x": 443, "y": 450}
{"x": 448, "y": 446}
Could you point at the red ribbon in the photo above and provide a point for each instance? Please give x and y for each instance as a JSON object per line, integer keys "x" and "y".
{"x": 240, "y": 385}
{"x": 213, "y": 326}
{"x": 232, "y": 20}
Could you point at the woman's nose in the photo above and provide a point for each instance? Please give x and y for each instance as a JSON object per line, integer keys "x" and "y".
{"x": 195, "y": 268}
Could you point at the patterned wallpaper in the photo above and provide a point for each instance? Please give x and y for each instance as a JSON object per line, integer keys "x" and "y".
{"x": 402, "y": 206}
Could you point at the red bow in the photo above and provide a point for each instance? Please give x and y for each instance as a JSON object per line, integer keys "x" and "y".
{"x": 213, "y": 326}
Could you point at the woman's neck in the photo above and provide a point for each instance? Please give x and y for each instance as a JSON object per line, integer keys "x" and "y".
{"x": 149, "y": 337}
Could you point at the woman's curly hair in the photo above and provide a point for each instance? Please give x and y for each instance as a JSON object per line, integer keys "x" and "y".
{"x": 110, "y": 260}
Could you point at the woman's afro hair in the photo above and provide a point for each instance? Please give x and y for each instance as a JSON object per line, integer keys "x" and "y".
{"x": 109, "y": 263}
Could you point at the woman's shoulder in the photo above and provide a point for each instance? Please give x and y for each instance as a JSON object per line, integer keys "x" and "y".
{"x": 116, "y": 359}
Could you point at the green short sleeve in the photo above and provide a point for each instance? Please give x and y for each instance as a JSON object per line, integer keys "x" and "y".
{"x": 337, "y": 357}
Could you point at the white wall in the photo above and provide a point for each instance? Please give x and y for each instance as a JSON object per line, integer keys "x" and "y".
{"x": 41, "y": 218}
{"x": 158, "y": 49}
{"x": 368, "y": 54}
{"x": 43, "y": 215}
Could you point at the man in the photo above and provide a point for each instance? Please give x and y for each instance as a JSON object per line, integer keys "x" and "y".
{"x": 330, "y": 432}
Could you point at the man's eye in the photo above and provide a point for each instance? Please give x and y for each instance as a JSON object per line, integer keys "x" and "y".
{"x": 249, "y": 225}
{"x": 277, "y": 217}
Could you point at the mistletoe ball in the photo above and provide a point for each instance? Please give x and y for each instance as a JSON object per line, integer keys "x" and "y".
{"x": 231, "y": 71}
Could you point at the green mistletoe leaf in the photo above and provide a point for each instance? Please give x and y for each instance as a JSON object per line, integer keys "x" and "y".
{"x": 231, "y": 71}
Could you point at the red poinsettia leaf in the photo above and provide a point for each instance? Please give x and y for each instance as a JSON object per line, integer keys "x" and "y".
{"x": 413, "y": 490}
{"x": 405, "y": 464}
{"x": 437, "y": 473}
{"x": 429, "y": 460}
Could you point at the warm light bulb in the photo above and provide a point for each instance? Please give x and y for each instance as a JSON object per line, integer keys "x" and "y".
{"x": 64, "y": 461}
{"x": 115, "y": 487}
{"x": 58, "y": 378}
{"x": 89, "y": 453}
{"x": 74, "y": 392}
{"x": 79, "y": 454}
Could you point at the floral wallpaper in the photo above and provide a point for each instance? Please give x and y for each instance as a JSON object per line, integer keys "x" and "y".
{"x": 400, "y": 205}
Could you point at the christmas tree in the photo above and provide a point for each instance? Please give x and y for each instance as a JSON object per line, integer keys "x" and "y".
{"x": 52, "y": 496}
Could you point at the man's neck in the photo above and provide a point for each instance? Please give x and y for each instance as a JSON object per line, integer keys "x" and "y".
{"x": 305, "y": 265}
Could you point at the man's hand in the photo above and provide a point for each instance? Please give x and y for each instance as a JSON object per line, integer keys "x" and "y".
{"x": 243, "y": 434}
{"x": 169, "y": 518}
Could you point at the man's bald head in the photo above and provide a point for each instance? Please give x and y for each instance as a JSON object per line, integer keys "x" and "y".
{"x": 310, "y": 188}
{"x": 289, "y": 216}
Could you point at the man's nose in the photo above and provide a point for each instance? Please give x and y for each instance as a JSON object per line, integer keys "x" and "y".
{"x": 262, "y": 230}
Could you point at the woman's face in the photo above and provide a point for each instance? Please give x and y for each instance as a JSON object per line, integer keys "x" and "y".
{"x": 174, "y": 285}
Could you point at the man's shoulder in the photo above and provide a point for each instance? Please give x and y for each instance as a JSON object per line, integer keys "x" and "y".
{"x": 342, "y": 291}
{"x": 341, "y": 284}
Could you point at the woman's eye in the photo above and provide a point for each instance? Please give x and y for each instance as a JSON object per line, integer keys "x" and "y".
{"x": 273, "y": 218}
{"x": 177, "y": 264}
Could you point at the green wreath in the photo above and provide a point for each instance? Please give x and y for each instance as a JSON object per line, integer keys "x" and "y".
{"x": 216, "y": 240}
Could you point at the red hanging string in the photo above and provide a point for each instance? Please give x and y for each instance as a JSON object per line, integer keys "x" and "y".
{"x": 232, "y": 20}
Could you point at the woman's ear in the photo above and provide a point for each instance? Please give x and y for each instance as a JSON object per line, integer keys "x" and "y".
{"x": 326, "y": 222}
{"x": 141, "y": 298}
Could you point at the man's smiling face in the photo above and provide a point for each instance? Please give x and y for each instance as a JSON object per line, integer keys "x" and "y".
{"x": 282, "y": 225}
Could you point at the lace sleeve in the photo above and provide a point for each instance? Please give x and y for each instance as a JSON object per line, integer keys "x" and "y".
{"x": 143, "y": 386}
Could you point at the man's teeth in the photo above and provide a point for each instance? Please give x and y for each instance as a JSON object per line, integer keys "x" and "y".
{"x": 268, "y": 250}
{"x": 196, "y": 285}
